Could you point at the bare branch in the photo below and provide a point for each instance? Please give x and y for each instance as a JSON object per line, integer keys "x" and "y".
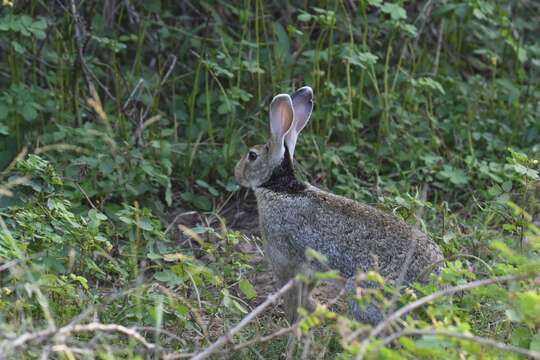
{"x": 42, "y": 335}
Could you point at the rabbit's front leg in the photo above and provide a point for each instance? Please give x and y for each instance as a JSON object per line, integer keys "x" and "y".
{"x": 285, "y": 268}
{"x": 298, "y": 296}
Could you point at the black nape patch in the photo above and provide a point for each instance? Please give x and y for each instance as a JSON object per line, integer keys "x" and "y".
{"x": 283, "y": 179}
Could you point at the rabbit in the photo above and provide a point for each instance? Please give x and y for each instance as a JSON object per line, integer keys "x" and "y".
{"x": 295, "y": 216}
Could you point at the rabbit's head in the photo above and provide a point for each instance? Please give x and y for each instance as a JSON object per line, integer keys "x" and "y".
{"x": 288, "y": 116}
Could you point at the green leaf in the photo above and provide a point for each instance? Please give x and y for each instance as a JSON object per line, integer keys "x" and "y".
{"x": 455, "y": 176}
{"x": 535, "y": 343}
{"x": 312, "y": 254}
{"x": 18, "y": 47}
{"x": 28, "y": 112}
{"x": 95, "y": 215}
{"x": 429, "y": 83}
{"x": 153, "y": 256}
{"x": 239, "y": 307}
{"x": 181, "y": 309}
{"x": 212, "y": 190}
{"x": 523, "y": 170}
{"x": 168, "y": 277}
{"x": 247, "y": 289}
{"x": 395, "y": 11}
{"x": 327, "y": 275}
{"x": 521, "y": 336}
{"x": 507, "y": 186}
{"x": 304, "y": 17}
{"x": 4, "y": 111}
{"x": 359, "y": 58}
{"x": 409, "y": 29}
{"x": 376, "y": 3}
{"x": 202, "y": 203}
{"x": 145, "y": 224}
{"x": 81, "y": 280}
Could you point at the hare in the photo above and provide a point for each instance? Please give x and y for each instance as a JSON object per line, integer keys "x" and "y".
{"x": 295, "y": 216}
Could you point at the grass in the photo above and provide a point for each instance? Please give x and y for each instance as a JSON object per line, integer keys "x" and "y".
{"x": 121, "y": 122}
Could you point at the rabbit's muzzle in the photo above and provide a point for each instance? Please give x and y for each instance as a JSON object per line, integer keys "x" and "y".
{"x": 239, "y": 171}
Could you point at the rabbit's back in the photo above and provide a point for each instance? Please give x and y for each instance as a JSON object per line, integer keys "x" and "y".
{"x": 353, "y": 236}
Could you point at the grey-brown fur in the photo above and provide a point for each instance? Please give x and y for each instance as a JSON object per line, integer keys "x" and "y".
{"x": 295, "y": 216}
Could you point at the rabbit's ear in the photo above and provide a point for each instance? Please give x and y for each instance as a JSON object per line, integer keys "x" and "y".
{"x": 281, "y": 119}
{"x": 303, "y": 105}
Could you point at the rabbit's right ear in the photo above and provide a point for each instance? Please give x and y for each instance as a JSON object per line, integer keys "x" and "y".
{"x": 303, "y": 106}
{"x": 281, "y": 119}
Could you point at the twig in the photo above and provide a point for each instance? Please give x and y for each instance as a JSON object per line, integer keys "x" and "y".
{"x": 160, "y": 331}
{"x": 64, "y": 348}
{"x": 195, "y": 288}
{"x": 423, "y": 17}
{"x": 431, "y": 266}
{"x": 169, "y": 227}
{"x": 86, "y": 196}
{"x": 438, "y": 51}
{"x": 169, "y": 71}
{"x": 161, "y": 83}
{"x": 5, "y": 190}
{"x": 39, "y": 336}
{"x": 61, "y": 147}
{"x": 16, "y": 159}
{"x": 130, "y": 97}
{"x": 352, "y": 5}
{"x": 110, "y": 328}
{"x": 307, "y": 346}
{"x": 246, "y": 320}
{"x": 14, "y": 262}
{"x": 426, "y": 299}
{"x": 480, "y": 340}
{"x": 262, "y": 339}
{"x": 133, "y": 16}
{"x": 80, "y": 39}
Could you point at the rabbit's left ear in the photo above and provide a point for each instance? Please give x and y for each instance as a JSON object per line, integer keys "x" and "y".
{"x": 302, "y": 101}
{"x": 281, "y": 119}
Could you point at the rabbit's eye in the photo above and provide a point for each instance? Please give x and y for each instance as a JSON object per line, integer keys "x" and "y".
{"x": 252, "y": 156}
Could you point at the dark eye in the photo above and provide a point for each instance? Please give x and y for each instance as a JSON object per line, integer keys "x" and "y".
{"x": 252, "y": 156}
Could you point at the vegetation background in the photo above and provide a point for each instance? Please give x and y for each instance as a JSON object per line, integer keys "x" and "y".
{"x": 124, "y": 235}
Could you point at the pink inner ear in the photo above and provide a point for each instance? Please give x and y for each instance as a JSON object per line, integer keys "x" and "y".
{"x": 285, "y": 118}
{"x": 281, "y": 119}
{"x": 281, "y": 115}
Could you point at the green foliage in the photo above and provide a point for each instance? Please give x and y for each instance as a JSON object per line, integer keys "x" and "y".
{"x": 116, "y": 126}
